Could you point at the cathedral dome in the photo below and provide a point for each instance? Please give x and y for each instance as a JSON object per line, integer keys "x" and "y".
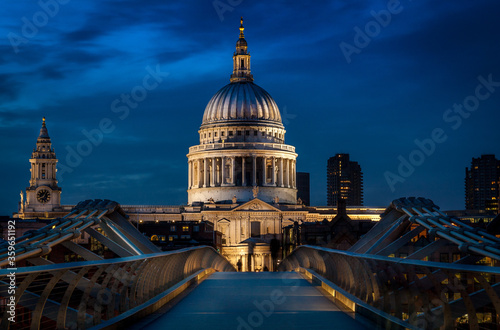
{"x": 242, "y": 153}
{"x": 241, "y": 101}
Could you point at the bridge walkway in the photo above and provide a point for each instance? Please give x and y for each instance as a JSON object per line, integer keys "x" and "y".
{"x": 245, "y": 301}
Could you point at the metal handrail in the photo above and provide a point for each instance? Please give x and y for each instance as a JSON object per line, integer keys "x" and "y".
{"x": 84, "y": 294}
{"x": 424, "y": 294}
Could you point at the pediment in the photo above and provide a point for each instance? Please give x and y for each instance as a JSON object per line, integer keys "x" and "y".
{"x": 224, "y": 220}
{"x": 256, "y": 205}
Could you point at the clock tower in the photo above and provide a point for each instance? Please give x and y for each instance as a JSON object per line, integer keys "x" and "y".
{"x": 43, "y": 195}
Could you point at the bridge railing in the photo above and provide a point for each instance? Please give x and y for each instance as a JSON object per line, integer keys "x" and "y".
{"x": 80, "y": 295}
{"x": 421, "y": 294}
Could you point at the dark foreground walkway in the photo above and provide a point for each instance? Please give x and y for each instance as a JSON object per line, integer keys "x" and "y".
{"x": 253, "y": 301}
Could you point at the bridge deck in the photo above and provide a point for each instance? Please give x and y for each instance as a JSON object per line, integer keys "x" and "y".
{"x": 253, "y": 301}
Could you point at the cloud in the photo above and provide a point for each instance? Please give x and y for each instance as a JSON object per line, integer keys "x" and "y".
{"x": 9, "y": 87}
{"x": 51, "y": 72}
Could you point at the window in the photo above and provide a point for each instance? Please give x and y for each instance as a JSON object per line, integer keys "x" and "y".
{"x": 154, "y": 238}
{"x": 215, "y": 134}
{"x": 185, "y": 236}
{"x": 185, "y": 228}
{"x": 263, "y": 133}
{"x": 221, "y": 133}
{"x": 247, "y": 133}
{"x": 255, "y": 228}
{"x": 239, "y": 132}
{"x": 196, "y": 229}
{"x": 255, "y": 133}
{"x": 172, "y": 228}
{"x": 209, "y": 134}
{"x": 230, "y": 133}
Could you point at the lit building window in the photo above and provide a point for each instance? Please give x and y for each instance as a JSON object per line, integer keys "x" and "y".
{"x": 185, "y": 228}
{"x": 172, "y": 228}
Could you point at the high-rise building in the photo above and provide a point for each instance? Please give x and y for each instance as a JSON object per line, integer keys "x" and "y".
{"x": 344, "y": 180}
{"x": 481, "y": 184}
{"x": 304, "y": 188}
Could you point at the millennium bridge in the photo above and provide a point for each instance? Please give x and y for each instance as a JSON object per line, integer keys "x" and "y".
{"x": 364, "y": 287}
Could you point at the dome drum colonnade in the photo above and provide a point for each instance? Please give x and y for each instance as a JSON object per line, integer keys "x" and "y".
{"x": 242, "y": 143}
{"x": 242, "y": 170}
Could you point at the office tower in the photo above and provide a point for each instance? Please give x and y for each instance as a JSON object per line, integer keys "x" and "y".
{"x": 345, "y": 180}
{"x": 481, "y": 184}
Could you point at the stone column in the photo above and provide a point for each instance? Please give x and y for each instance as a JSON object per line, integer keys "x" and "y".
{"x": 198, "y": 174}
{"x": 223, "y": 170}
{"x": 243, "y": 183}
{"x": 233, "y": 176}
{"x": 289, "y": 173}
{"x": 264, "y": 171}
{"x": 273, "y": 180}
{"x": 205, "y": 173}
{"x": 294, "y": 174}
{"x": 254, "y": 164}
{"x": 281, "y": 172}
{"x": 212, "y": 179}
{"x": 190, "y": 165}
{"x": 287, "y": 176}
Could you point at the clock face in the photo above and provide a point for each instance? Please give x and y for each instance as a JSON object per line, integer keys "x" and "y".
{"x": 43, "y": 196}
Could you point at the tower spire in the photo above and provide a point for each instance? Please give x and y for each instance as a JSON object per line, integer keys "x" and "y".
{"x": 242, "y": 34}
{"x": 241, "y": 59}
{"x": 44, "y": 133}
{"x": 43, "y": 194}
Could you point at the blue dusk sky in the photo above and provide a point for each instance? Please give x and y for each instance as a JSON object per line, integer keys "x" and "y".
{"x": 410, "y": 89}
